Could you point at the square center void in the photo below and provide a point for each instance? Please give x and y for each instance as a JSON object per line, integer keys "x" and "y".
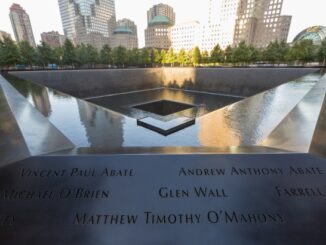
{"x": 163, "y": 107}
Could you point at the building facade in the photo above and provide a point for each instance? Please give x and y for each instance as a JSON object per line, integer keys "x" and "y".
{"x": 260, "y": 22}
{"x": 125, "y": 34}
{"x": 257, "y": 22}
{"x": 3, "y": 35}
{"x": 53, "y": 39}
{"x": 159, "y": 20}
{"x": 88, "y": 21}
{"x": 21, "y": 24}
{"x": 220, "y": 24}
{"x": 186, "y": 36}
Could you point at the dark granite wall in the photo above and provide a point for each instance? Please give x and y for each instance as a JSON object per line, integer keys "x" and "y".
{"x": 236, "y": 81}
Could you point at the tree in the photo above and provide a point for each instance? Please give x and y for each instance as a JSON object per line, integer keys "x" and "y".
{"x": 303, "y": 51}
{"x": 27, "y": 53}
{"x": 182, "y": 57}
{"x": 134, "y": 58}
{"x": 242, "y": 53}
{"x": 276, "y": 52}
{"x": 322, "y": 52}
{"x": 58, "y": 55}
{"x": 163, "y": 57}
{"x": 228, "y": 54}
{"x": 9, "y": 53}
{"x": 44, "y": 53}
{"x": 145, "y": 57}
{"x": 106, "y": 55}
{"x": 91, "y": 55}
{"x": 119, "y": 56}
{"x": 157, "y": 57}
{"x": 80, "y": 54}
{"x": 205, "y": 59}
{"x": 171, "y": 57}
{"x": 284, "y": 50}
{"x": 271, "y": 53}
{"x": 217, "y": 54}
{"x": 69, "y": 56}
{"x": 255, "y": 54}
{"x": 196, "y": 56}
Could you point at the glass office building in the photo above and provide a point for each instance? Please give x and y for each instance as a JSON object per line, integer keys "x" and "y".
{"x": 88, "y": 21}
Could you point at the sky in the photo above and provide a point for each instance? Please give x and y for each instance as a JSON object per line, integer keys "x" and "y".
{"x": 45, "y": 15}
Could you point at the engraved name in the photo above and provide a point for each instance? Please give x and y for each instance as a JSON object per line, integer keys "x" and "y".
{"x": 7, "y": 220}
{"x": 299, "y": 191}
{"x": 197, "y": 191}
{"x": 76, "y": 172}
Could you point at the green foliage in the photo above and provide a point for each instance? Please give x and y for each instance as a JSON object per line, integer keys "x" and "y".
{"x": 217, "y": 54}
{"x": 182, "y": 57}
{"x": 58, "y": 55}
{"x": 119, "y": 56}
{"x": 303, "y": 51}
{"x": 205, "y": 58}
{"x": 157, "y": 56}
{"x": 28, "y": 53}
{"x": 106, "y": 55}
{"x": 196, "y": 56}
{"x": 9, "y": 53}
{"x": 228, "y": 54}
{"x": 255, "y": 54}
{"x": 134, "y": 57}
{"x": 44, "y": 54}
{"x": 242, "y": 53}
{"x": 92, "y": 55}
{"x": 322, "y": 52}
{"x": 171, "y": 57}
{"x": 276, "y": 52}
{"x": 145, "y": 57}
{"x": 69, "y": 56}
{"x": 81, "y": 55}
{"x": 283, "y": 52}
{"x": 164, "y": 57}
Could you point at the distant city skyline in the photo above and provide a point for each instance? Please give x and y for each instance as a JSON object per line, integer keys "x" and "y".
{"x": 45, "y": 15}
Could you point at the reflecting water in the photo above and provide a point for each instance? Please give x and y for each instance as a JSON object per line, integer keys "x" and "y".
{"x": 245, "y": 122}
{"x": 249, "y": 121}
{"x": 204, "y": 102}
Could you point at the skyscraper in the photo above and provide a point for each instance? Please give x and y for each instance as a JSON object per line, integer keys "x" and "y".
{"x": 21, "y": 24}
{"x": 159, "y": 20}
{"x": 125, "y": 34}
{"x": 257, "y": 22}
{"x": 222, "y": 15}
{"x": 186, "y": 36}
{"x": 88, "y": 21}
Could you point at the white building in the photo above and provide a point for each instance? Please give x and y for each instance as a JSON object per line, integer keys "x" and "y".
{"x": 186, "y": 36}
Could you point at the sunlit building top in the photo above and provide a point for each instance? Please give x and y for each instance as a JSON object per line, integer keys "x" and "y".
{"x": 125, "y": 34}
{"x": 21, "y": 24}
